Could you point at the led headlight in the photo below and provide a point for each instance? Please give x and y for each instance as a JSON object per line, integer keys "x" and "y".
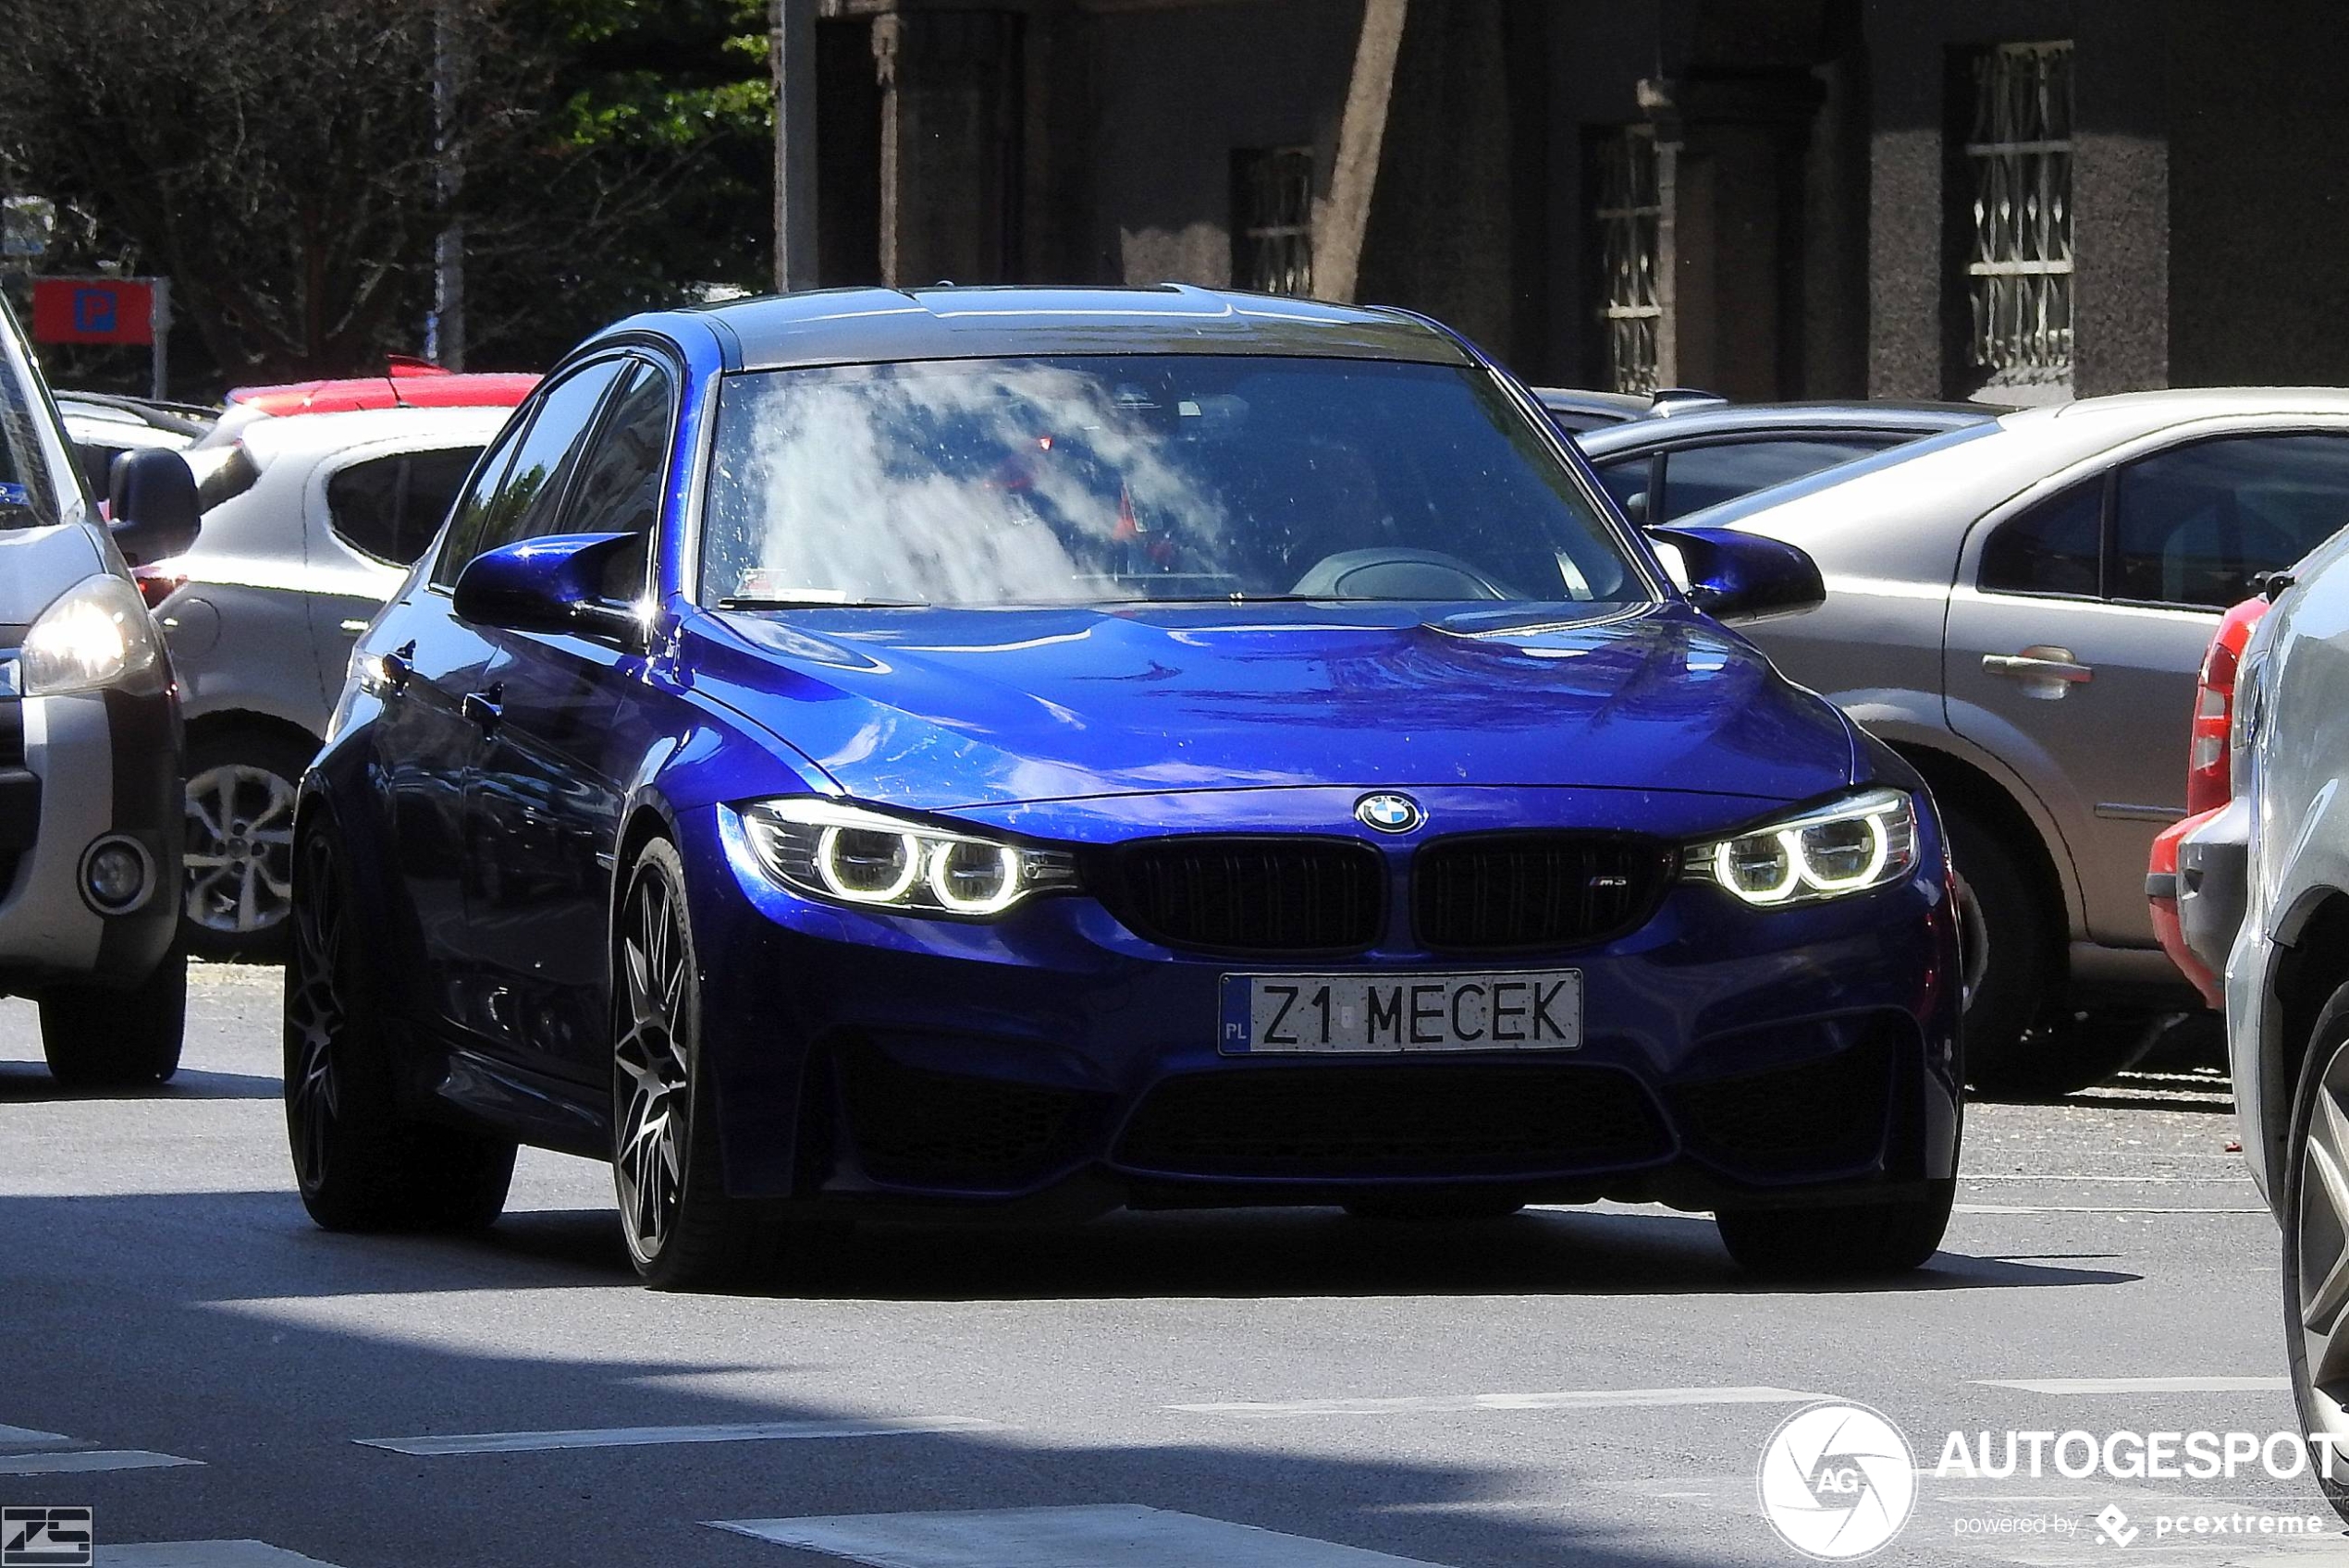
{"x": 95, "y": 633}
{"x": 1862, "y": 841}
{"x": 861, "y": 856}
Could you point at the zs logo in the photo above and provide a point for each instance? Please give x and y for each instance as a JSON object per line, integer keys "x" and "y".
{"x": 45, "y": 1538}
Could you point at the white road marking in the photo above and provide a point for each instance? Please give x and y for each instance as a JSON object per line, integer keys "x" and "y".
{"x": 1574, "y": 1399}
{"x": 205, "y": 1554}
{"x": 2139, "y": 1385}
{"x": 25, "y": 1437}
{"x": 2126, "y": 1181}
{"x": 637, "y": 1436}
{"x": 2085, "y": 1208}
{"x": 1103, "y": 1536}
{"x": 83, "y": 1460}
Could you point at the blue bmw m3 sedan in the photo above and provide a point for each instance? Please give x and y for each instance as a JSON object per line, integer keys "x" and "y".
{"x": 868, "y": 751}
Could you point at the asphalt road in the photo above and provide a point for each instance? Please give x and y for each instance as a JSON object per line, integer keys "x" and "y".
{"x": 187, "y": 1356}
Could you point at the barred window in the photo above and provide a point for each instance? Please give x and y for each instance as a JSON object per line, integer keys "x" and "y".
{"x": 2019, "y": 274}
{"x": 1630, "y": 207}
{"x": 1273, "y": 220}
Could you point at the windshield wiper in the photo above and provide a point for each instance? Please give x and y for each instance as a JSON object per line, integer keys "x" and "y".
{"x": 755, "y": 603}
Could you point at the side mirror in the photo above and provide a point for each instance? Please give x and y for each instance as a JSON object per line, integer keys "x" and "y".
{"x": 551, "y": 584}
{"x": 1734, "y": 576}
{"x": 152, "y": 494}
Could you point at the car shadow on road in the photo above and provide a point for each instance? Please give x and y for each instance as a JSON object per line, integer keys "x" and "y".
{"x": 1289, "y": 1252}
{"x": 27, "y": 1083}
{"x": 236, "y": 1346}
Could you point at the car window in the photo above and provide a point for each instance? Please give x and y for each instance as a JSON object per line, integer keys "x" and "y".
{"x": 363, "y": 506}
{"x": 465, "y": 519}
{"x": 428, "y": 488}
{"x": 2198, "y": 525}
{"x": 390, "y": 508}
{"x": 529, "y": 503}
{"x": 2053, "y": 548}
{"x": 1626, "y": 479}
{"x": 620, "y": 483}
{"x": 1697, "y": 477}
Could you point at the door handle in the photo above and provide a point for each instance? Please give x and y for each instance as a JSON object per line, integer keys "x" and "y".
{"x": 398, "y": 666}
{"x": 2046, "y": 671}
{"x": 485, "y": 708}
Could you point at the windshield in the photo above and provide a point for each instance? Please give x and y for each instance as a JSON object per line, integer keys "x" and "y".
{"x": 1143, "y": 478}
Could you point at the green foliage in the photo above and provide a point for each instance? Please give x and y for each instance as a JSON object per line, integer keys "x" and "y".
{"x": 276, "y": 158}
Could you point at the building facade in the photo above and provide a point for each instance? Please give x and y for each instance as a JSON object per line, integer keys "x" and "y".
{"x": 2012, "y": 200}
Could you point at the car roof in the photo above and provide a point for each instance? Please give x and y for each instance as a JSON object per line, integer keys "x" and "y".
{"x": 407, "y": 388}
{"x": 270, "y": 441}
{"x": 1763, "y": 419}
{"x": 1975, "y": 467}
{"x": 867, "y": 325}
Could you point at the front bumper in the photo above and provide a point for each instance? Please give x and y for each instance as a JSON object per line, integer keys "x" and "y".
{"x": 74, "y": 770}
{"x": 1731, "y": 1057}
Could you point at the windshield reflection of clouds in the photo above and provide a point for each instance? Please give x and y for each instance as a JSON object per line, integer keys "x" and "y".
{"x": 1000, "y": 483}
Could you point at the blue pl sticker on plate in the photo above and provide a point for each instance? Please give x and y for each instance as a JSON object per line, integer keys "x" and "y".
{"x": 14, "y": 495}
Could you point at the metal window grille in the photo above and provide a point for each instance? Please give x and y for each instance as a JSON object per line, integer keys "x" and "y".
{"x": 2019, "y": 276}
{"x": 1630, "y": 209}
{"x": 1273, "y": 221}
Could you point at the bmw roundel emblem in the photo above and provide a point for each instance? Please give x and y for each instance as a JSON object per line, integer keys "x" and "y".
{"x": 1389, "y": 813}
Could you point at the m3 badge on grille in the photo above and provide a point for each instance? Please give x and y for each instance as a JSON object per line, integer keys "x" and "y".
{"x": 1389, "y": 813}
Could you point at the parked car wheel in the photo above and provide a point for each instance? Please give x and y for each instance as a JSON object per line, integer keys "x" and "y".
{"x": 683, "y": 1231}
{"x": 2315, "y": 1245}
{"x": 362, "y": 1165}
{"x": 1841, "y": 1242}
{"x": 98, "y": 1037}
{"x": 240, "y": 848}
{"x": 2007, "y": 946}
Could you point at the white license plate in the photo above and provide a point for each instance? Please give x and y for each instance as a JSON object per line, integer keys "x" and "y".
{"x": 1312, "y": 1014}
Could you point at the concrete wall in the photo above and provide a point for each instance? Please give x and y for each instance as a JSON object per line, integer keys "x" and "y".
{"x": 1173, "y": 93}
{"x": 2258, "y": 202}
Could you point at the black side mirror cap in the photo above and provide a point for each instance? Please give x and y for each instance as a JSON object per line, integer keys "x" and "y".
{"x": 156, "y": 513}
{"x": 1735, "y": 576}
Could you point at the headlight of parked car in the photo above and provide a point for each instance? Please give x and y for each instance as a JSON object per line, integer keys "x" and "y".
{"x": 1862, "y": 841}
{"x": 861, "y": 856}
{"x": 95, "y": 633}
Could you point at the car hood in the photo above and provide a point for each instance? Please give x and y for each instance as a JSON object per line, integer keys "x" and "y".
{"x": 938, "y": 709}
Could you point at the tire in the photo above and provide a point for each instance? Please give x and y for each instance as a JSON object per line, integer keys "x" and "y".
{"x": 360, "y": 1163}
{"x": 239, "y": 845}
{"x": 1850, "y": 1242}
{"x": 94, "y": 1037}
{"x": 2315, "y": 1247}
{"x": 2016, "y": 1047}
{"x": 1421, "y": 1207}
{"x": 682, "y": 1232}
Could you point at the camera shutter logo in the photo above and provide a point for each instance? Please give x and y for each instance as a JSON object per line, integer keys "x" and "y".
{"x": 1837, "y": 1481}
{"x": 45, "y": 1538}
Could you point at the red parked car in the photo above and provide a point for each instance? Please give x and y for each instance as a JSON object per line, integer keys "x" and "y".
{"x": 407, "y": 384}
{"x": 2209, "y": 786}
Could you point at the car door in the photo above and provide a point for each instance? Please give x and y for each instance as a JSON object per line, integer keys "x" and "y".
{"x": 431, "y": 735}
{"x": 2072, "y": 652}
{"x": 563, "y": 722}
{"x": 372, "y": 514}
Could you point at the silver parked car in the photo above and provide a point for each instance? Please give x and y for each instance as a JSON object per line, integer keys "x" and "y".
{"x": 2279, "y": 855}
{"x": 313, "y": 525}
{"x": 2020, "y": 608}
{"x": 88, "y": 746}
